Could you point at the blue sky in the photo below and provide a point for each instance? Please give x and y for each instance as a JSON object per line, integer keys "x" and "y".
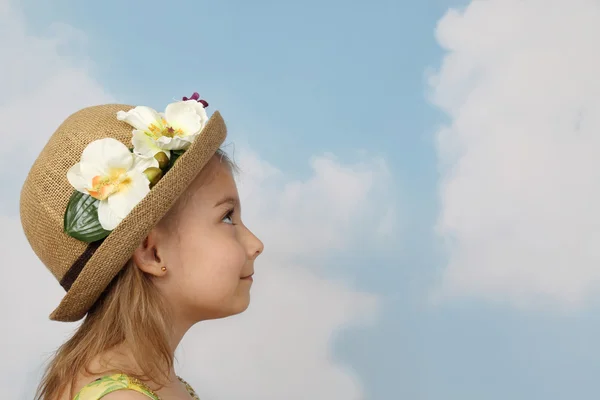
{"x": 296, "y": 80}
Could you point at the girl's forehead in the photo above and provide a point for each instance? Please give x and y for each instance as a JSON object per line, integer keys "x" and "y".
{"x": 215, "y": 182}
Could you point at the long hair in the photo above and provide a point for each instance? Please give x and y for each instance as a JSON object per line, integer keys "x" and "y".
{"x": 130, "y": 311}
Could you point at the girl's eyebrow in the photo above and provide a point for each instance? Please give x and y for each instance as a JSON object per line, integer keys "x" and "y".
{"x": 227, "y": 199}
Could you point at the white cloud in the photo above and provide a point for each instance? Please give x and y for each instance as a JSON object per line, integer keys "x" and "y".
{"x": 42, "y": 81}
{"x": 317, "y": 215}
{"x": 521, "y": 174}
{"x": 281, "y": 347}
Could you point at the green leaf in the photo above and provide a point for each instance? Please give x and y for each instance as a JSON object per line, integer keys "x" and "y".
{"x": 81, "y": 218}
{"x": 175, "y": 154}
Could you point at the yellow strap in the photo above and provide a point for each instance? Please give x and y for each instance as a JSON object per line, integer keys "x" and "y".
{"x": 107, "y": 384}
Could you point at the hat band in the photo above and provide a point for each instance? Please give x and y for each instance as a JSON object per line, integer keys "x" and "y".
{"x": 73, "y": 272}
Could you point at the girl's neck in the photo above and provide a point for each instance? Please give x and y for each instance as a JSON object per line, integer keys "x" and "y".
{"x": 121, "y": 358}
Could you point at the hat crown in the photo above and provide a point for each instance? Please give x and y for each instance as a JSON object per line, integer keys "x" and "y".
{"x": 46, "y": 191}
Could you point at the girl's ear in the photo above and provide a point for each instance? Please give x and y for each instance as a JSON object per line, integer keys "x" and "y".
{"x": 147, "y": 256}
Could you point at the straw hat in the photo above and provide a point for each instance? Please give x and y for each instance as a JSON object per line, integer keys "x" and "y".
{"x": 86, "y": 269}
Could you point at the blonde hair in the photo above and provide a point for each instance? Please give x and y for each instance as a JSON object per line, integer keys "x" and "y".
{"x": 130, "y": 311}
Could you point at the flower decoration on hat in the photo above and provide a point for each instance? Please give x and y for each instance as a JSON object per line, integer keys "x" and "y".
{"x": 176, "y": 129}
{"x": 196, "y": 96}
{"x": 111, "y": 179}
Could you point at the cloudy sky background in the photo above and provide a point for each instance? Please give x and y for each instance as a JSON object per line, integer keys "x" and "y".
{"x": 424, "y": 175}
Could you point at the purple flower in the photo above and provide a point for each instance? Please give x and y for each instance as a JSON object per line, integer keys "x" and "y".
{"x": 196, "y": 97}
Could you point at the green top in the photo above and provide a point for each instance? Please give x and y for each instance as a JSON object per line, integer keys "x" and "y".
{"x": 107, "y": 384}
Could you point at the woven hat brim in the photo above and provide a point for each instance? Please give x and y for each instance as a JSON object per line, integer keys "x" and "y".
{"x": 118, "y": 247}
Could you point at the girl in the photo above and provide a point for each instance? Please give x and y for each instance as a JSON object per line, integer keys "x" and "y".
{"x": 137, "y": 215}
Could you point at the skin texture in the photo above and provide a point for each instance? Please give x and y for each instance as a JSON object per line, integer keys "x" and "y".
{"x": 208, "y": 252}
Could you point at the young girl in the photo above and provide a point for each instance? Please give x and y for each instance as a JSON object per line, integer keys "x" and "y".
{"x": 137, "y": 215}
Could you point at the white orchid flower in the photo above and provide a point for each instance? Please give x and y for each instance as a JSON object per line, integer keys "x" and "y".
{"x": 109, "y": 172}
{"x": 176, "y": 129}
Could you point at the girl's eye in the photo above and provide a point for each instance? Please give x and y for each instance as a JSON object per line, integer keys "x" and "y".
{"x": 228, "y": 218}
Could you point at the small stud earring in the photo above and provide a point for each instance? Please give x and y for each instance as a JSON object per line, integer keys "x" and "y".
{"x": 164, "y": 269}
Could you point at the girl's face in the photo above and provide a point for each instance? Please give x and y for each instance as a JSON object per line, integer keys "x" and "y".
{"x": 208, "y": 252}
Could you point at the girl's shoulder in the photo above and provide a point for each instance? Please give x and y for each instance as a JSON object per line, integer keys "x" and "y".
{"x": 102, "y": 386}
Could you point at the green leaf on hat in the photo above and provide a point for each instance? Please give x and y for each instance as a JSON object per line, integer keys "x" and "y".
{"x": 175, "y": 154}
{"x": 81, "y": 218}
